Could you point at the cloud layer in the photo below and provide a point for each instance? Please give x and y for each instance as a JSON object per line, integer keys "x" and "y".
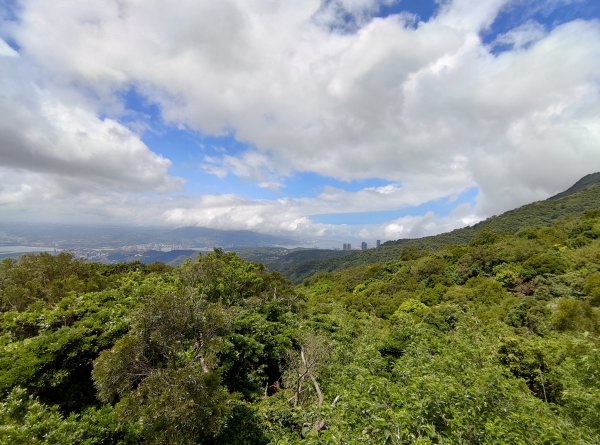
{"x": 423, "y": 104}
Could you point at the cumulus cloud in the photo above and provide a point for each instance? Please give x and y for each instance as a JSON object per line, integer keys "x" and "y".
{"x": 470, "y": 16}
{"x": 40, "y": 132}
{"x": 228, "y": 211}
{"x": 426, "y": 105}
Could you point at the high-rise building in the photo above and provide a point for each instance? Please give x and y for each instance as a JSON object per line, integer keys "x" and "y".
{"x": 363, "y": 246}
{"x": 378, "y": 243}
{"x": 347, "y": 246}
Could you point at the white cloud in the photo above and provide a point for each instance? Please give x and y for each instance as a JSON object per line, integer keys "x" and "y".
{"x": 425, "y": 105}
{"x": 251, "y": 166}
{"x": 348, "y": 15}
{"x": 522, "y": 36}
{"x": 429, "y": 224}
{"x": 226, "y": 211}
{"x": 470, "y": 15}
{"x": 40, "y": 132}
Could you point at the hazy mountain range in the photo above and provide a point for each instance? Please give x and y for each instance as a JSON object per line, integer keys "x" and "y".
{"x": 81, "y": 236}
{"x": 172, "y": 246}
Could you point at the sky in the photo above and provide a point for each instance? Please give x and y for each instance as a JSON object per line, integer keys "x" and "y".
{"x": 328, "y": 121}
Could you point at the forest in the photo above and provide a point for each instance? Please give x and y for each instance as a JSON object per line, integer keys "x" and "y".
{"x": 494, "y": 340}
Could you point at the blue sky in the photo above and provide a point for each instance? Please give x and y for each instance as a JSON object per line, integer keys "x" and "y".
{"x": 548, "y": 14}
{"x": 377, "y": 127}
{"x": 423, "y": 9}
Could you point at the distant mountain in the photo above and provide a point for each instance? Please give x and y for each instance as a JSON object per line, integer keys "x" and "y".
{"x": 73, "y": 236}
{"x": 583, "y": 183}
{"x": 171, "y": 257}
{"x": 204, "y": 237}
{"x": 295, "y": 264}
{"x": 583, "y": 196}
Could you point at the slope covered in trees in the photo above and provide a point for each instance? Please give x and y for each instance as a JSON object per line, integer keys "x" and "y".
{"x": 581, "y": 197}
{"x": 491, "y": 341}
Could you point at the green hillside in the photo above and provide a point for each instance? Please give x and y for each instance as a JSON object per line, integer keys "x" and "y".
{"x": 295, "y": 264}
{"x": 574, "y": 201}
{"x": 583, "y": 196}
{"x": 492, "y": 341}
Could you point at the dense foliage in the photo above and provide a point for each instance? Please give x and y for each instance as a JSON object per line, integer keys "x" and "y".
{"x": 492, "y": 341}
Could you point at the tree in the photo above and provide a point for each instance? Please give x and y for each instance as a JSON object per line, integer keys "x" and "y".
{"x": 162, "y": 371}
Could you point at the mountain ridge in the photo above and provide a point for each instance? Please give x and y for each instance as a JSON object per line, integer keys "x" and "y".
{"x": 68, "y": 236}
{"x": 583, "y": 183}
{"x": 583, "y": 196}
